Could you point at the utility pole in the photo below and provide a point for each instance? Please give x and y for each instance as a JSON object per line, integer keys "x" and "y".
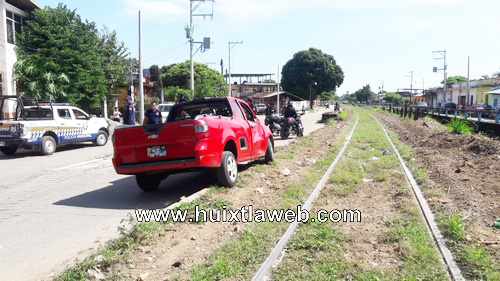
{"x": 141, "y": 84}
{"x": 379, "y": 89}
{"x": 468, "y": 88}
{"x": 221, "y": 67}
{"x": 278, "y": 91}
{"x": 411, "y": 85}
{"x": 229, "y": 76}
{"x": 435, "y": 69}
{"x": 189, "y": 35}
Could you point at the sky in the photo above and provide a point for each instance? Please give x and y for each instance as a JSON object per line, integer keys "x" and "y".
{"x": 375, "y": 42}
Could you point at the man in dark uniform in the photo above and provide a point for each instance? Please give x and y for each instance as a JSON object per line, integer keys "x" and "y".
{"x": 269, "y": 109}
{"x": 153, "y": 116}
{"x": 129, "y": 116}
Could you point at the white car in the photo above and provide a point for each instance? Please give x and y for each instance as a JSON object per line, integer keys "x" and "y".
{"x": 165, "y": 110}
{"x": 41, "y": 126}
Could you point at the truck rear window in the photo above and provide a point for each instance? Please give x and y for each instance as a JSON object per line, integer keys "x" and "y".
{"x": 189, "y": 111}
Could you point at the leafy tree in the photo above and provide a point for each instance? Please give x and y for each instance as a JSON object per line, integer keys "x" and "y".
{"x": 364, "y": 94}
{"x": 327, "y": 96}
{"x": 62, "y": 58}
{"x": 454, "y": 80}
{"x": 309, "y": 67}
{"x": 155, "y": 72}
{"x": 208, "y": 82}
{"x": 172, "y": 93}
{"x": 269, "y": 81}
{"x": 392, "y": 98}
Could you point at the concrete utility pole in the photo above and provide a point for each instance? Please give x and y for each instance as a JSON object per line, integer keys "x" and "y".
{"x": 468, "y": 80}
{"x": 443, "y": 53}
{"x": 141, "y": 84}
{"x": 189, "y": 35}
{"x": 411, "y": 85}
{"x": 229, "y": 63}
{"x": 278, "y": 91}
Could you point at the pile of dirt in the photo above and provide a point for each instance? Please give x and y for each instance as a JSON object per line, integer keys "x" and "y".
{"x": 187, "y": 244}
{"x": 463, "y": 172}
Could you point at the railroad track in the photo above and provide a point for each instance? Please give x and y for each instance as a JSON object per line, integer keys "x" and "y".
{"x": 277, "y": 251}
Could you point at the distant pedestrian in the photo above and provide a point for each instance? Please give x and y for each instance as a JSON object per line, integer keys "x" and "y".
{"x": 153, "y": 115}
{"x": 181, "y": 98}
{"x": 129, "y": 118}
{"x": 116, "y": 115}
{"x": 252, "y": 105}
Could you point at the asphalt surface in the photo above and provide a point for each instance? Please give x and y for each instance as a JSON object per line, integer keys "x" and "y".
{"x": 56, "y": 208}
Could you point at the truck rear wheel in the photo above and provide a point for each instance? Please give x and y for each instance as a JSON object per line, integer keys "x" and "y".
{"x": 48, "y": 145}
{"x": 227, "y": 173}
{"x": 8, "y": 150}
{"x": 148, "y": 182}
{"x": 269, "y": 152}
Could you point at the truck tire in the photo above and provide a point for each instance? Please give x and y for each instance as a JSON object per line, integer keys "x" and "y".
{"x": 227, "y": 173}
{"x": 101, "y": 139}
{"x": 269, "y": 152}
{"x": 8, "y": 150}
{"x": 148, "y": 182}
{"x": 47, "y": 145}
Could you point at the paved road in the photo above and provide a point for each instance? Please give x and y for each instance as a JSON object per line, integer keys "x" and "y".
{"x": 55, "y": 208}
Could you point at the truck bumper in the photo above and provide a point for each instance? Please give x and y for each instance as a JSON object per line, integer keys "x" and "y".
{"x": 13, "y": 142}
{"x": 139, "y": 168}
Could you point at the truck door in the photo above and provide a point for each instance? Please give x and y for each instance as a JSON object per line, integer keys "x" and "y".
{"x": 85, "y": 130}
{"x": 245, "y": 135}
{"x": 256, "y": 129}
{"x": 66, "y": 125}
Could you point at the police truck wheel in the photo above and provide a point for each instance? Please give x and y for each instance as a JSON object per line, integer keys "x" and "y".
{"x": 48, "y": 145}
{"x": 8, "y": 150}
{"x": 227, "y": 173}
{"x": 148, "y": 182}
{"x": 269, "y": 152}
{"x": 101, "y": 139}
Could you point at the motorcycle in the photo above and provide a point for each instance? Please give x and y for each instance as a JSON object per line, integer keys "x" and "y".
{"x": 291, "y": 126}
{"x": 273, "y": 122}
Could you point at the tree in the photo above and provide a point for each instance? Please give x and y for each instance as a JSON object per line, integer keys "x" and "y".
{"x": 154, "y": 71}
{"x": 310, "y": 66}
{"x": 454, "y": 80}
{"x": 63, "y": 59}
{"x": 364, "y": 94}
{"x": 208, "y": 82}
{"x": 392, "y": 98}
{"x": 327, "y": 96}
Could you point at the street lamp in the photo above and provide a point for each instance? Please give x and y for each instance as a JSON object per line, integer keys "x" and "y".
{"x": 310, "y": 94}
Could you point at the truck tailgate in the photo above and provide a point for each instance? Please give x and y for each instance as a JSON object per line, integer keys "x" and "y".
{"x": 141, "y": 144}
{"x": 10, "y": 130}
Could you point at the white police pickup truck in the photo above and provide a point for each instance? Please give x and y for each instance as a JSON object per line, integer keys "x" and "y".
{"x": 39, "y": 125}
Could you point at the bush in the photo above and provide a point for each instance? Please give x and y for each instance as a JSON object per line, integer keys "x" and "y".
{"x": 460, "y": 126}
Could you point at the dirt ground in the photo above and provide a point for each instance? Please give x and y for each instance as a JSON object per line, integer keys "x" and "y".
{"x": 463, "y": 173}
{"x": 171, "y": 256}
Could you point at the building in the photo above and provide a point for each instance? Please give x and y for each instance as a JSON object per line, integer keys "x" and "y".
{"x": 247, "y": 87}
{"x": 12, "y": 17}
{"x": 284, "y": 97}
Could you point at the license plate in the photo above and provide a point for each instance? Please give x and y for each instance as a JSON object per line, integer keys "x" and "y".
{"x": 2, "y": 143}
{"x": 157, "y": 151}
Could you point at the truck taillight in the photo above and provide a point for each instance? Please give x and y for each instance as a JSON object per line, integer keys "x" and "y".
{"x": 201, "y": 130}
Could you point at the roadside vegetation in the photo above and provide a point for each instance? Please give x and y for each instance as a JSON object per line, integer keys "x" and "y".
{"x": 240, "y": 258}
{"x": 459, "y": 126}
{"x": 324, "y": 251}
{"x": 475, "y": 262}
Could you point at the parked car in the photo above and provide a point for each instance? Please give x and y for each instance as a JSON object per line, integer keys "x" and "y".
{"x": 260, "y": 108}
{"x": 421, "y": 105}
{"x": 165, "y": 110}
{"x": 205, "y": 134}
{"x": 484, "y": 108}
{"x": 42, "y": 126}
{"x": 450, "y": 105}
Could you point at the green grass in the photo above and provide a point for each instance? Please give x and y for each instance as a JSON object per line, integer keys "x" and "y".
{"x": 475, "y": 262}
{"x": 240, "y": 257}
{"x": 343, "y": 116}
{"x": 459, "y": 126}
{"x": 287, "y": 155}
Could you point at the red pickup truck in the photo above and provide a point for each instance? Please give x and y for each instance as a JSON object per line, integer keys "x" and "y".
{"x": 214, "y": 134}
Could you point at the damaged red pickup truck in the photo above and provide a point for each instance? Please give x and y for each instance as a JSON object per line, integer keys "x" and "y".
{"x": 214, "y": 134}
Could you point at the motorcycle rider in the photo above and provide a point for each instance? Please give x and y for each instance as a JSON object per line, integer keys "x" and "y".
{"x": 290, "y": 112}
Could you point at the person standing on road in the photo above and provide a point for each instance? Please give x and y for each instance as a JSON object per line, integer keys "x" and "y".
{"x": 269, "y": 110}
{"x": 129, "y": 118}
{"x": 252, "y": 105}
{"x": 116, "y": 115}
{"x": 153, "y": 116}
